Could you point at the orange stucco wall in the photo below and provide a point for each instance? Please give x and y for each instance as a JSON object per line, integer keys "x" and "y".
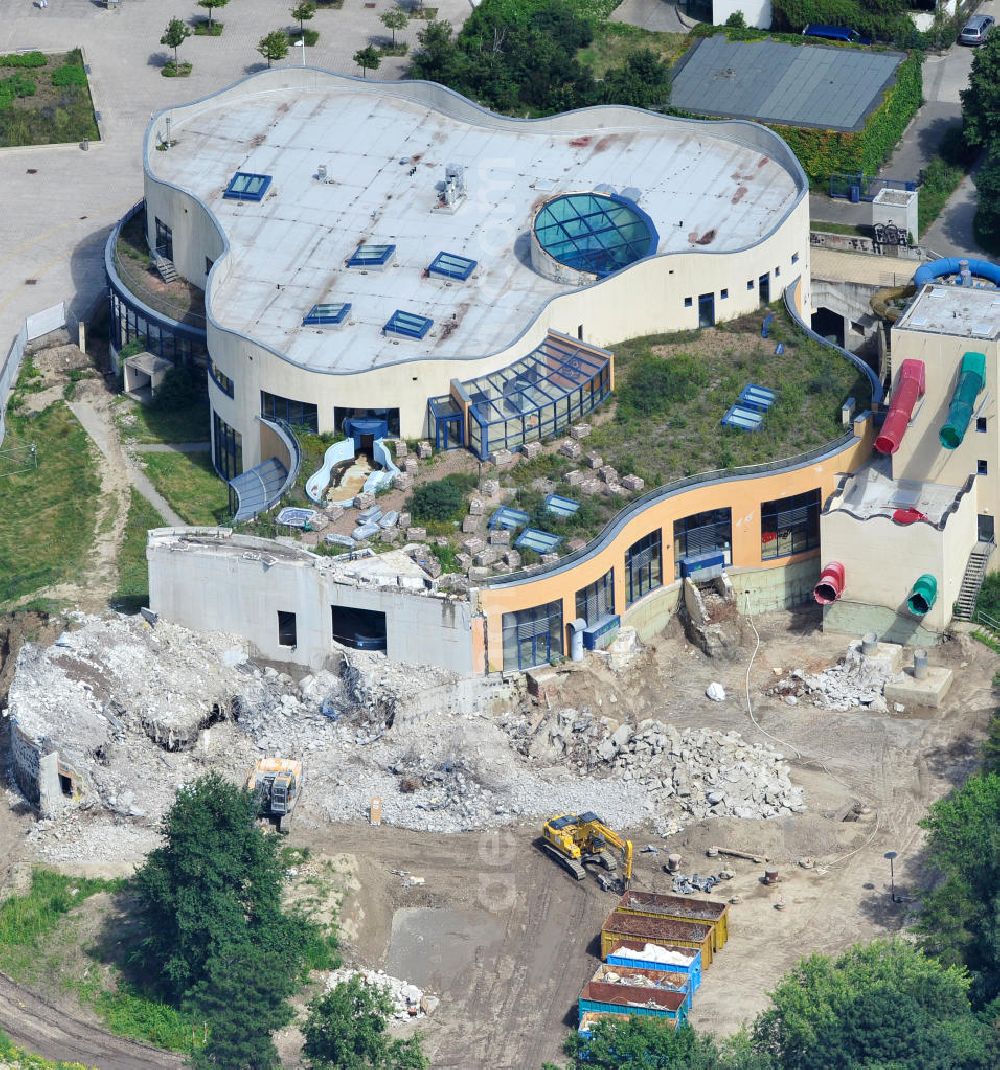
{"x": 742, "y": 495}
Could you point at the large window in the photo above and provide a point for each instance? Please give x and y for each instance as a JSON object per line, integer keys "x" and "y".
{"x": 596, "y": 601}
{"x": 704, "y": 533}
{"x": 227, "y": 446}
{"x": 789, "y": 525}
{"x": 297, "y": 414}
{"x": 532, "y": 636}
{"x": 643, "y": 567}
{"x": 221, "y": 380}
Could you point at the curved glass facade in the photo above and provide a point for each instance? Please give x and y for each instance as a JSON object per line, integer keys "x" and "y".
{"x": 595, "y": 232}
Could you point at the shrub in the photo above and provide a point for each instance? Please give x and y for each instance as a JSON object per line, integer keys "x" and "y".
{"x": 17, "y": 85}
{"x": 940, "y": 180}
{"x": 23, "y": 59}
{"x": 654, "y": 384}
{"x": 442, "y": 499}
{"x": 69, "y": 74}
{"x": 737, "y": 21}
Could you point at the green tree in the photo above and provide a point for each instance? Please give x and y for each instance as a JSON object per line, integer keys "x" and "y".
{"x": 217, "y": 876}
{"x": 210, "y": 6}
{"x": 274, "y": 45}
{"x": 175, "y": 35}
{"x": 367, "y": 59}
{"x": 960, "y": 919}
{"x": 302, "y": 14}
{"x": 981, "y": 100}
{"x": 737, "y": 21}
{"x": 394, "y": 19}
{"x": 643, "y": 81}
{"x": 991, "y": 745}
{"x": 884, "y": 1004}
{"x": 986, "y": 224}
{"x": 346, "y": 1029}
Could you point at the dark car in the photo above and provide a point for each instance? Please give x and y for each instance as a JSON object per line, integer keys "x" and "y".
{"x": 836, "y": 33}
{"x": 976, "y": 30}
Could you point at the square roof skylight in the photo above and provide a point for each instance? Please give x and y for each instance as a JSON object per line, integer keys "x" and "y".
{"x": 319, "y": 315}
{"x": 371, "y": 255}
{"x": 408, "y": 324}
{"x": 451, "y": 266}
{"x": 245, "y": 186}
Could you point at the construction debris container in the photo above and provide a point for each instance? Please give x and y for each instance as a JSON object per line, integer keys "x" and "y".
{"x": 683, "y": 960}
{"x": 624, "y": 999}
{"x": 656, "y": 930}
{"x": 680, "y": 908}
{"x": 590, "y": 1018}
{"x": 636, "y": 977}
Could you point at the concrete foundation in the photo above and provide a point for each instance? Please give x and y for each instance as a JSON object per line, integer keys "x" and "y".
{"x": 856, "y": 618}
{"x": 930, "y": 691}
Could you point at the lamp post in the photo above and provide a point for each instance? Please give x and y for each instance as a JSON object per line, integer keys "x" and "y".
{"x": 301, "y": 43}
{"x": 892, "y": 856}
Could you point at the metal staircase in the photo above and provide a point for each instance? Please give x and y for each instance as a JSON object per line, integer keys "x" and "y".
{"x": 975, "y": 572}
{"x": 165, "y": 268}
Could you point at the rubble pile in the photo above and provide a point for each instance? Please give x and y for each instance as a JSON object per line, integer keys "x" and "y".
{"x": 857, "y": 680}
{"x": 696, "y": 773}
{"x": 407, "y": 1000}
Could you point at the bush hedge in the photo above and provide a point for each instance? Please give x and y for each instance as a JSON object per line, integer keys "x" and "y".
{"x": 23, "y": 59}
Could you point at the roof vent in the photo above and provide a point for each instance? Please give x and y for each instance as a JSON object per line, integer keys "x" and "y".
{"x": 452, "y": 190}
{"x": 632, "y": 193}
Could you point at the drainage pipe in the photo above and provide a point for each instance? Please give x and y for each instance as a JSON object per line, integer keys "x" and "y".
{"x": 831, "y": 583}
{"x": 923, "y": 596}
{"x": 909, "y": 390}
{"x": 971, "y": 380}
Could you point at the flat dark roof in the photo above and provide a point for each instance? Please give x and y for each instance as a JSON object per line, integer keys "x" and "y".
{"x": 773, "y": 82}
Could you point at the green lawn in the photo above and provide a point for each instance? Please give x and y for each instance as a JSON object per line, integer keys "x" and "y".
{"x": 52, "y": 104}
{"x": 613, "y": 41}
{"x": 50, "y": 510}
{"x": 133, "y": 572}
{"x": 152, "y": 423}
{"x": 189, "y": 483}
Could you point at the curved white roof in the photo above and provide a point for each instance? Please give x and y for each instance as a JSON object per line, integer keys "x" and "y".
{"x": 708, "y": 187}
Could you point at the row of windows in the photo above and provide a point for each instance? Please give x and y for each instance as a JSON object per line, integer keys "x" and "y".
{"x": 764, "y": 282}
{"x": 297, "y": 414}
{"x": 221, "y": 380}
{"x": 227, "y": 449}
{"x": 128, "y": 324}
{"x": 788, "y": 526}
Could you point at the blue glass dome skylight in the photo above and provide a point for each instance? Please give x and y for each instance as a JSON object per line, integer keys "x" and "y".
{"x": 595, "y": 232}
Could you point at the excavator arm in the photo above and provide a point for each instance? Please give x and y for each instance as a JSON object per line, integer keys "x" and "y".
{"x": 600, "y": 834}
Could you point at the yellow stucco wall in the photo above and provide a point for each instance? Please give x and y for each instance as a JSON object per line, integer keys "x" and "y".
{"x": 743, "y": 495}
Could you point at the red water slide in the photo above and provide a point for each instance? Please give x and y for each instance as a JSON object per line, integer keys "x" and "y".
{"x": 909, "y": 390}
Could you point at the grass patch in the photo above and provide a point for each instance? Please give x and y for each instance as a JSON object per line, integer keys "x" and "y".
{"x": 56, "y": 108}
{"x": 311, "y": 36}
{"x": 851, "y": 230}
{"x": 400, "y": 48}
{"x": 133, "y": 570}
{"x": 14, "y": 1058}
{"x": 987, "y": 640}
{"x": 613, "y": 41}
{"x": 203, "y": 29}
{"x": 128, "y": 1013}
{"x": 189, "y": 483}
{"x": 171, "y": 69}
{"x": 50, "y": 511}
{"x": 154, "y": 423}
{"x": 26, "y": 921}
{"x": 940, "y": 180}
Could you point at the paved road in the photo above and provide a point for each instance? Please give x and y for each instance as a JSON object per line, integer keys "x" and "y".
{"x": 37, "y": 1025}
{"x": 945, "y": 76}
{"x": 64, "y": 210}
{"x": 171, "y": 447}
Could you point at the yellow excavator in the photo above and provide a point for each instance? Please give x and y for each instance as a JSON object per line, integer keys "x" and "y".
{"x": 276, "y": 784}
{"x": 578, "y": 840}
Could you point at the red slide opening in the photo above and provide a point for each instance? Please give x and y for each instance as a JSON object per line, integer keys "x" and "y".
{"x": 909, "y": 390}
{"x": 831, "y": 583}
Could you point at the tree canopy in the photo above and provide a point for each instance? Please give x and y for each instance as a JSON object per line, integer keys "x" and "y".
{"x": 274, "y": 45}
{"x": 175, "y": 35}
{"x": 981, "y": 100}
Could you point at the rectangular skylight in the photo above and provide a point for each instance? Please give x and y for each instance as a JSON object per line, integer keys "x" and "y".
{"x": 247, "y": 187}
{"x": 408, "y": 324}
{"x": 451, "y": 266}
{"x": 371, "y": 255}
{"x": 325, "y": 314}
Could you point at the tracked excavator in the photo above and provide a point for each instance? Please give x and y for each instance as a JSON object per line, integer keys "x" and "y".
{"x": 276, "y": 784}
{"x": 578, "y": 840}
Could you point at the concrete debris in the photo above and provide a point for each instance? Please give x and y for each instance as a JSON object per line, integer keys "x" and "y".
{"x": 407, "y": 1000}
{"x": 683, "y": 884}
{"x": 857, "y": 680}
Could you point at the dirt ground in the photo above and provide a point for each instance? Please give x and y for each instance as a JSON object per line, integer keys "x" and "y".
{"x": 506, "y": 939}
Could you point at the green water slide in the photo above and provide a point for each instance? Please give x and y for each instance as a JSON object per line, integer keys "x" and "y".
{"x": 923, "y": 595}
{"x": 971, "y": 380}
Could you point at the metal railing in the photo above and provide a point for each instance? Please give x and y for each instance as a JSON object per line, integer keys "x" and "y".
{"x": 720, "y": 475}
{"x": 287, "y": 435}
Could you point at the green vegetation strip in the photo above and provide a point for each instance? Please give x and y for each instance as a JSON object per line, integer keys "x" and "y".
{"x": 15, "y": 1058}
{"x": 50, "y": 509}
{"x": 133, "y": 570}
{"x": 189, "y": 483}
{"x": 46, "y": 101}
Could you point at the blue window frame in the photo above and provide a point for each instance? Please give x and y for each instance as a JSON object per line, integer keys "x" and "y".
{"x": 452, "y": 266}
{"x": 244, "y": 186}
{"x": 408, "y": 324}
{"x": 532, "y": 636}
{"x": 643, "y": 567}
{"x": 371, "y": 255}
{"x": 325, "y": 314}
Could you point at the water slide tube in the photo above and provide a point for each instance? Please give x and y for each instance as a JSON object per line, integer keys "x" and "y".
{"x": 336, "y": 454}
{"x": 383, "y": 456}
{"x": 909, "y": 390}
{"x": 971, "y": 380}
{"x": 923, "y": 596}
{"x": 949, "y": 265}
{"x": 831, "y": 583}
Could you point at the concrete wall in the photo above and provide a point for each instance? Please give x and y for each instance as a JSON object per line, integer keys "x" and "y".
{"x": 921, "y": 455}
{"x": 650, "y": 615}
{"x": 210, "y": 588}
{"x": 646, "y": 298}
{"x": 852, "y": 301}
{"x": 756, "y": 12}
{"x": 743, "y": 495}
{"x": 884, "y": 559}
{"x": 761, "y": 590}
